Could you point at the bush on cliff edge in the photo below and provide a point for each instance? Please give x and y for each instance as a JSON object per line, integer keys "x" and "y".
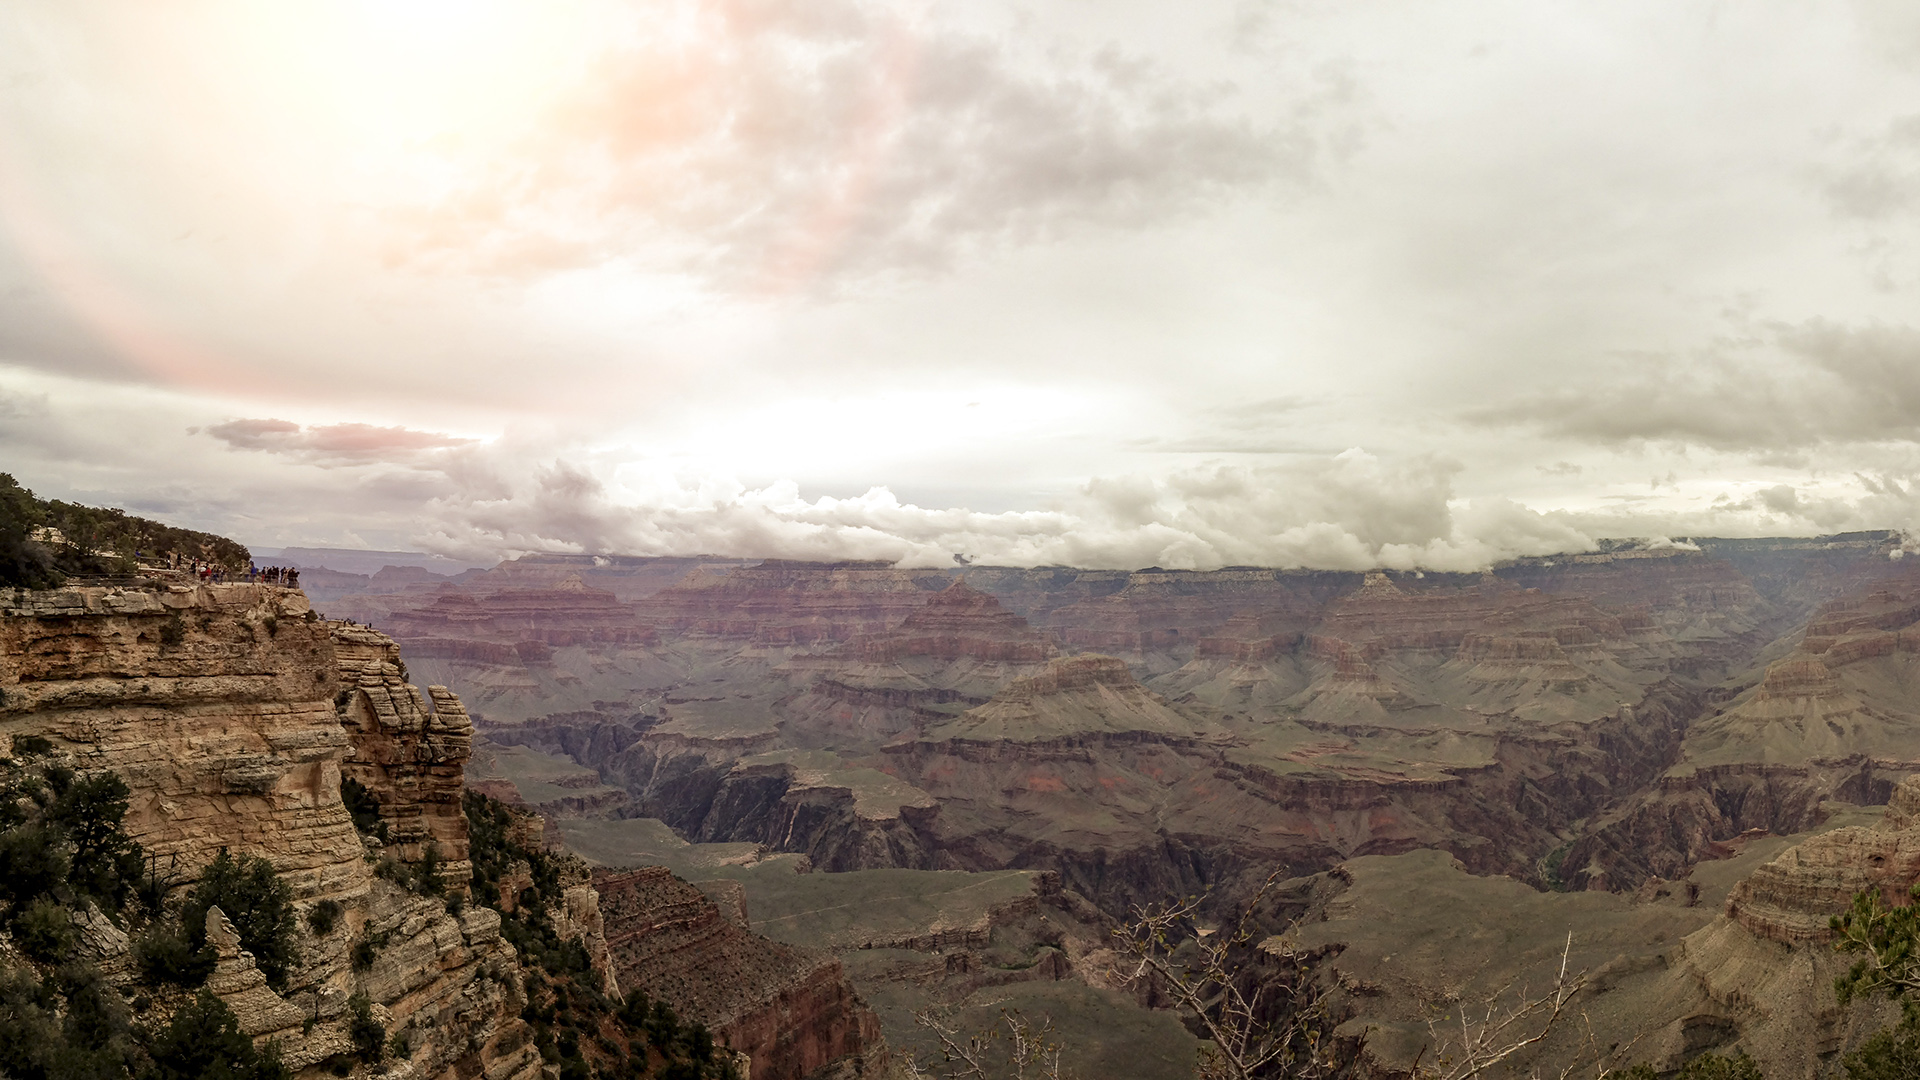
{"x": 62, "y": 841}
{"x": 259, "y": 905}
{"x": 92, "y": 540}
{"x": 204, "y": 1042}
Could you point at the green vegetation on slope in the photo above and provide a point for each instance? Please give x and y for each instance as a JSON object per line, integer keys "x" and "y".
{"x": 91, "y": 540}
{"x": 64, "y": 855}
{"x": 62, "y": 844}
{"x": 259, "y": 905}
{"x": 577, "y": 1027}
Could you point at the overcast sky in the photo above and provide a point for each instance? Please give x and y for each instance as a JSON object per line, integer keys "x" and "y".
{"x": 1101, "y": 282}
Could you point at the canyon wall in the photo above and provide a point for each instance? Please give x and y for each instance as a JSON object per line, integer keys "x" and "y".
{"x": 216, "y": 705}
{"x": 790, "y": 1010}
{"x": 1584, "y": 721}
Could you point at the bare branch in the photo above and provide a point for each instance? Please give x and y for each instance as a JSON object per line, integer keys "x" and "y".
{"x": 1256, "y": 1027}
{"x": 1024, "y": 1051}
{"x": 1501, "y": 1031}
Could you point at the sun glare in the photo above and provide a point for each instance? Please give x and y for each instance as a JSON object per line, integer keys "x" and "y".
{"x": 392, "y": 78}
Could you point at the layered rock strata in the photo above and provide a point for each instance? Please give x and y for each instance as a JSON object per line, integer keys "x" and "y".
{"x": 1792, "y": 898}
{"x": 566, "y": 613}
{"x": 956, "y": 650}
{"x": 787, "y": 603}
{"x": 409, "y": 757}
{"x": 216, "y": 705}
{"x": 790, "y": 1010}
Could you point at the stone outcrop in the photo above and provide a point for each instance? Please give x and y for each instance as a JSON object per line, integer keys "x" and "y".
{"x": 240, "y": 984}
{"x": 790, "y": 1010}
{"x": 1791, "y": 898}
{"x": 409, "y": 757}
{"x": 216, "y": 704}
{"x": 212, "y": 702}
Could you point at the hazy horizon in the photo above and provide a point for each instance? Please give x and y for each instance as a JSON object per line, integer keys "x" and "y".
{"x": 1245, "y": 282}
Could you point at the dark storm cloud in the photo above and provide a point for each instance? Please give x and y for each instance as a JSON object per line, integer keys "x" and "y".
{"x": 789, "y": 142}
{"x": 1791, "y": 388}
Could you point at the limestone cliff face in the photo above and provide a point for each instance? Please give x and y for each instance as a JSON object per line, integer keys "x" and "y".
{"x": 213, "y": 703}
{"x": 216, "y": 705}
{"x": 790, "y": 1010}
{"x": 409, "y": 757}
{"x": 1791, "y": 898}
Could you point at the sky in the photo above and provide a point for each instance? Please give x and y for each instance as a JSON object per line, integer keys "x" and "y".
{"x": 1108, "y": 284}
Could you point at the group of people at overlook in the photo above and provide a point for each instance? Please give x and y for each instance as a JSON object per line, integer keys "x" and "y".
{"x": 212, "y": 572}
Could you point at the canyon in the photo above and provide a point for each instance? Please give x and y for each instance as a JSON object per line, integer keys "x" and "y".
{"x": 1622, "y": 723}
{"x": 237, "y": 717}
{"x": 803, "y": 802}
{"x": 869, "y": 716}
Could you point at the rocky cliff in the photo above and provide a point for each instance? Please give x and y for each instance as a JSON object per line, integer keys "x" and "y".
{"x": 1792, "y": 898}
{"x": 790, "y": 1010}
{"x": 216, "y": 704}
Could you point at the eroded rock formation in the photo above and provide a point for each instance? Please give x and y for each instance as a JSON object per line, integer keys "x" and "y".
{"x": 216, "y": 705}
{"x": 791, "y": 1010}
{"x": 1792, "y": 898}
{"x": 410, "y": 758}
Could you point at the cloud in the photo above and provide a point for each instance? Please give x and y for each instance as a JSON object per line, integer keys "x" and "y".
{"x": 1882, "y": 179}
{"x": 333, "y": 444}
{"x": 273, "y": 481}
{"x": 1792, "y": 387}
{"x": 1348, "y": 511}
{"x": 1264, "y": 426}
{"x": 769, "y": 144}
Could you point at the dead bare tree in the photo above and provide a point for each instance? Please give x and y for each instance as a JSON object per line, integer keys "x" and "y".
{"x": 1509, "y": 1024}
{"x": 1023, "y": 1050}
{"x": 1265, "y": 1011}
{"x": 1258, "y": 1024}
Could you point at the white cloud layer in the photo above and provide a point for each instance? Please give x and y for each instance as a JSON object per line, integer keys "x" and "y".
{"x": 1350, "y": 511}
{"x": 273, "y": 482}
{"x": 778, "y": 144}
{"x": 1779, "y": 388}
